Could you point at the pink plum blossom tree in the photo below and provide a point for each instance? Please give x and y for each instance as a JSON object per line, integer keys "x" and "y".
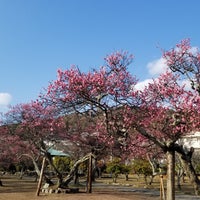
{"x": 185, "y": 60}
{"x": 167, "y": 112}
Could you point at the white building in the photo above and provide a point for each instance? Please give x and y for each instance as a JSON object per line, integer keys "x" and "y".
{"x": 191, "y": 140}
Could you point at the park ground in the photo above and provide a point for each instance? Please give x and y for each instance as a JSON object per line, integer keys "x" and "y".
{"x": 23, "y": 189}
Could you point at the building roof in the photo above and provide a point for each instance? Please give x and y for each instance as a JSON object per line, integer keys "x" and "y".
{"x": 55, "y": 152}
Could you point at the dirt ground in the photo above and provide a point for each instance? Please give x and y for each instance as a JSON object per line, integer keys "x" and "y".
{"x": 14, "y": 188}
{"x": 93, "y": 196}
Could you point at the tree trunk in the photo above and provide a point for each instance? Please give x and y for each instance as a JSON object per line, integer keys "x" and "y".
{"x": 41, "y": 176}
{"x": 89, "y": 176}
{"x": 170, "y": 175}
{"x": 154, "y": 166}
{"x": 114, "y": 178}
{"x": 190, "y": 171}
{"x": 70, "y": 176}
{"x": 58, "y": 174}
{"x": 186, "y": 160}
{"x": 180, "y": 174}
{"x": 76, "y": 178}
{"x": 99, "y": 172}
{"x": 1, "y": 184}
{"x": 126, "y": 176}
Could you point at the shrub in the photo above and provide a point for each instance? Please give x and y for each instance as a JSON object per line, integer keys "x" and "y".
{"x": 63, "y": 164}
{"x": 114, "y": 167}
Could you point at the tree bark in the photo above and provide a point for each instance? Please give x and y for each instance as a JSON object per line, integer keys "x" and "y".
{"x": 41, "y": 176}
{"x": 70, "y": 176}
{"x": 58, "y": 174}
{"x": 89, "y": 178}
{"x": 190, "y": 171}
{"x": 170, "y": 175}
{"x": 186, "y": 160}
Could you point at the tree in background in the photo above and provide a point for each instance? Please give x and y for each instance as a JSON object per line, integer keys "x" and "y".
{"x": 37, "y": 129}
{"x": 11, "y": 146}
{"x": 142, "y": 167}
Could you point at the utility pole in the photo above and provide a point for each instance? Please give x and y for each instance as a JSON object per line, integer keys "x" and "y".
{"x": 89, "y": 177}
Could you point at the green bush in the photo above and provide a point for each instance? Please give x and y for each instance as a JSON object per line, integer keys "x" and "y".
{"x": 197, "y": 168}
{"x": 63, "y": 164}
{"x": 142, "y": 166}
{"x": 114, "y": 167}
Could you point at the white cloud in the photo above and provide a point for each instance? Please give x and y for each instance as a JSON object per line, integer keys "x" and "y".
{"x": 186, "y": 83}
{"x": 157, "y": 67}
{"x": 142, "y": 84}
{"x": 5, "y": 99}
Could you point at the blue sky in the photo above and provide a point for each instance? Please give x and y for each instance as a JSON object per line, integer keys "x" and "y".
{"x": 39, "y": 36}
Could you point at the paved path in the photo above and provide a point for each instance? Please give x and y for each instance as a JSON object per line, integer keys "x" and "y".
{"x": 187, "y": 197}
{"x": 150, "y": 192}
{"x": 153, "y": 192}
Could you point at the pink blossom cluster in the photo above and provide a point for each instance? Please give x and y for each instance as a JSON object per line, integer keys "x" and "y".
{"x": 185, "y": 60}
